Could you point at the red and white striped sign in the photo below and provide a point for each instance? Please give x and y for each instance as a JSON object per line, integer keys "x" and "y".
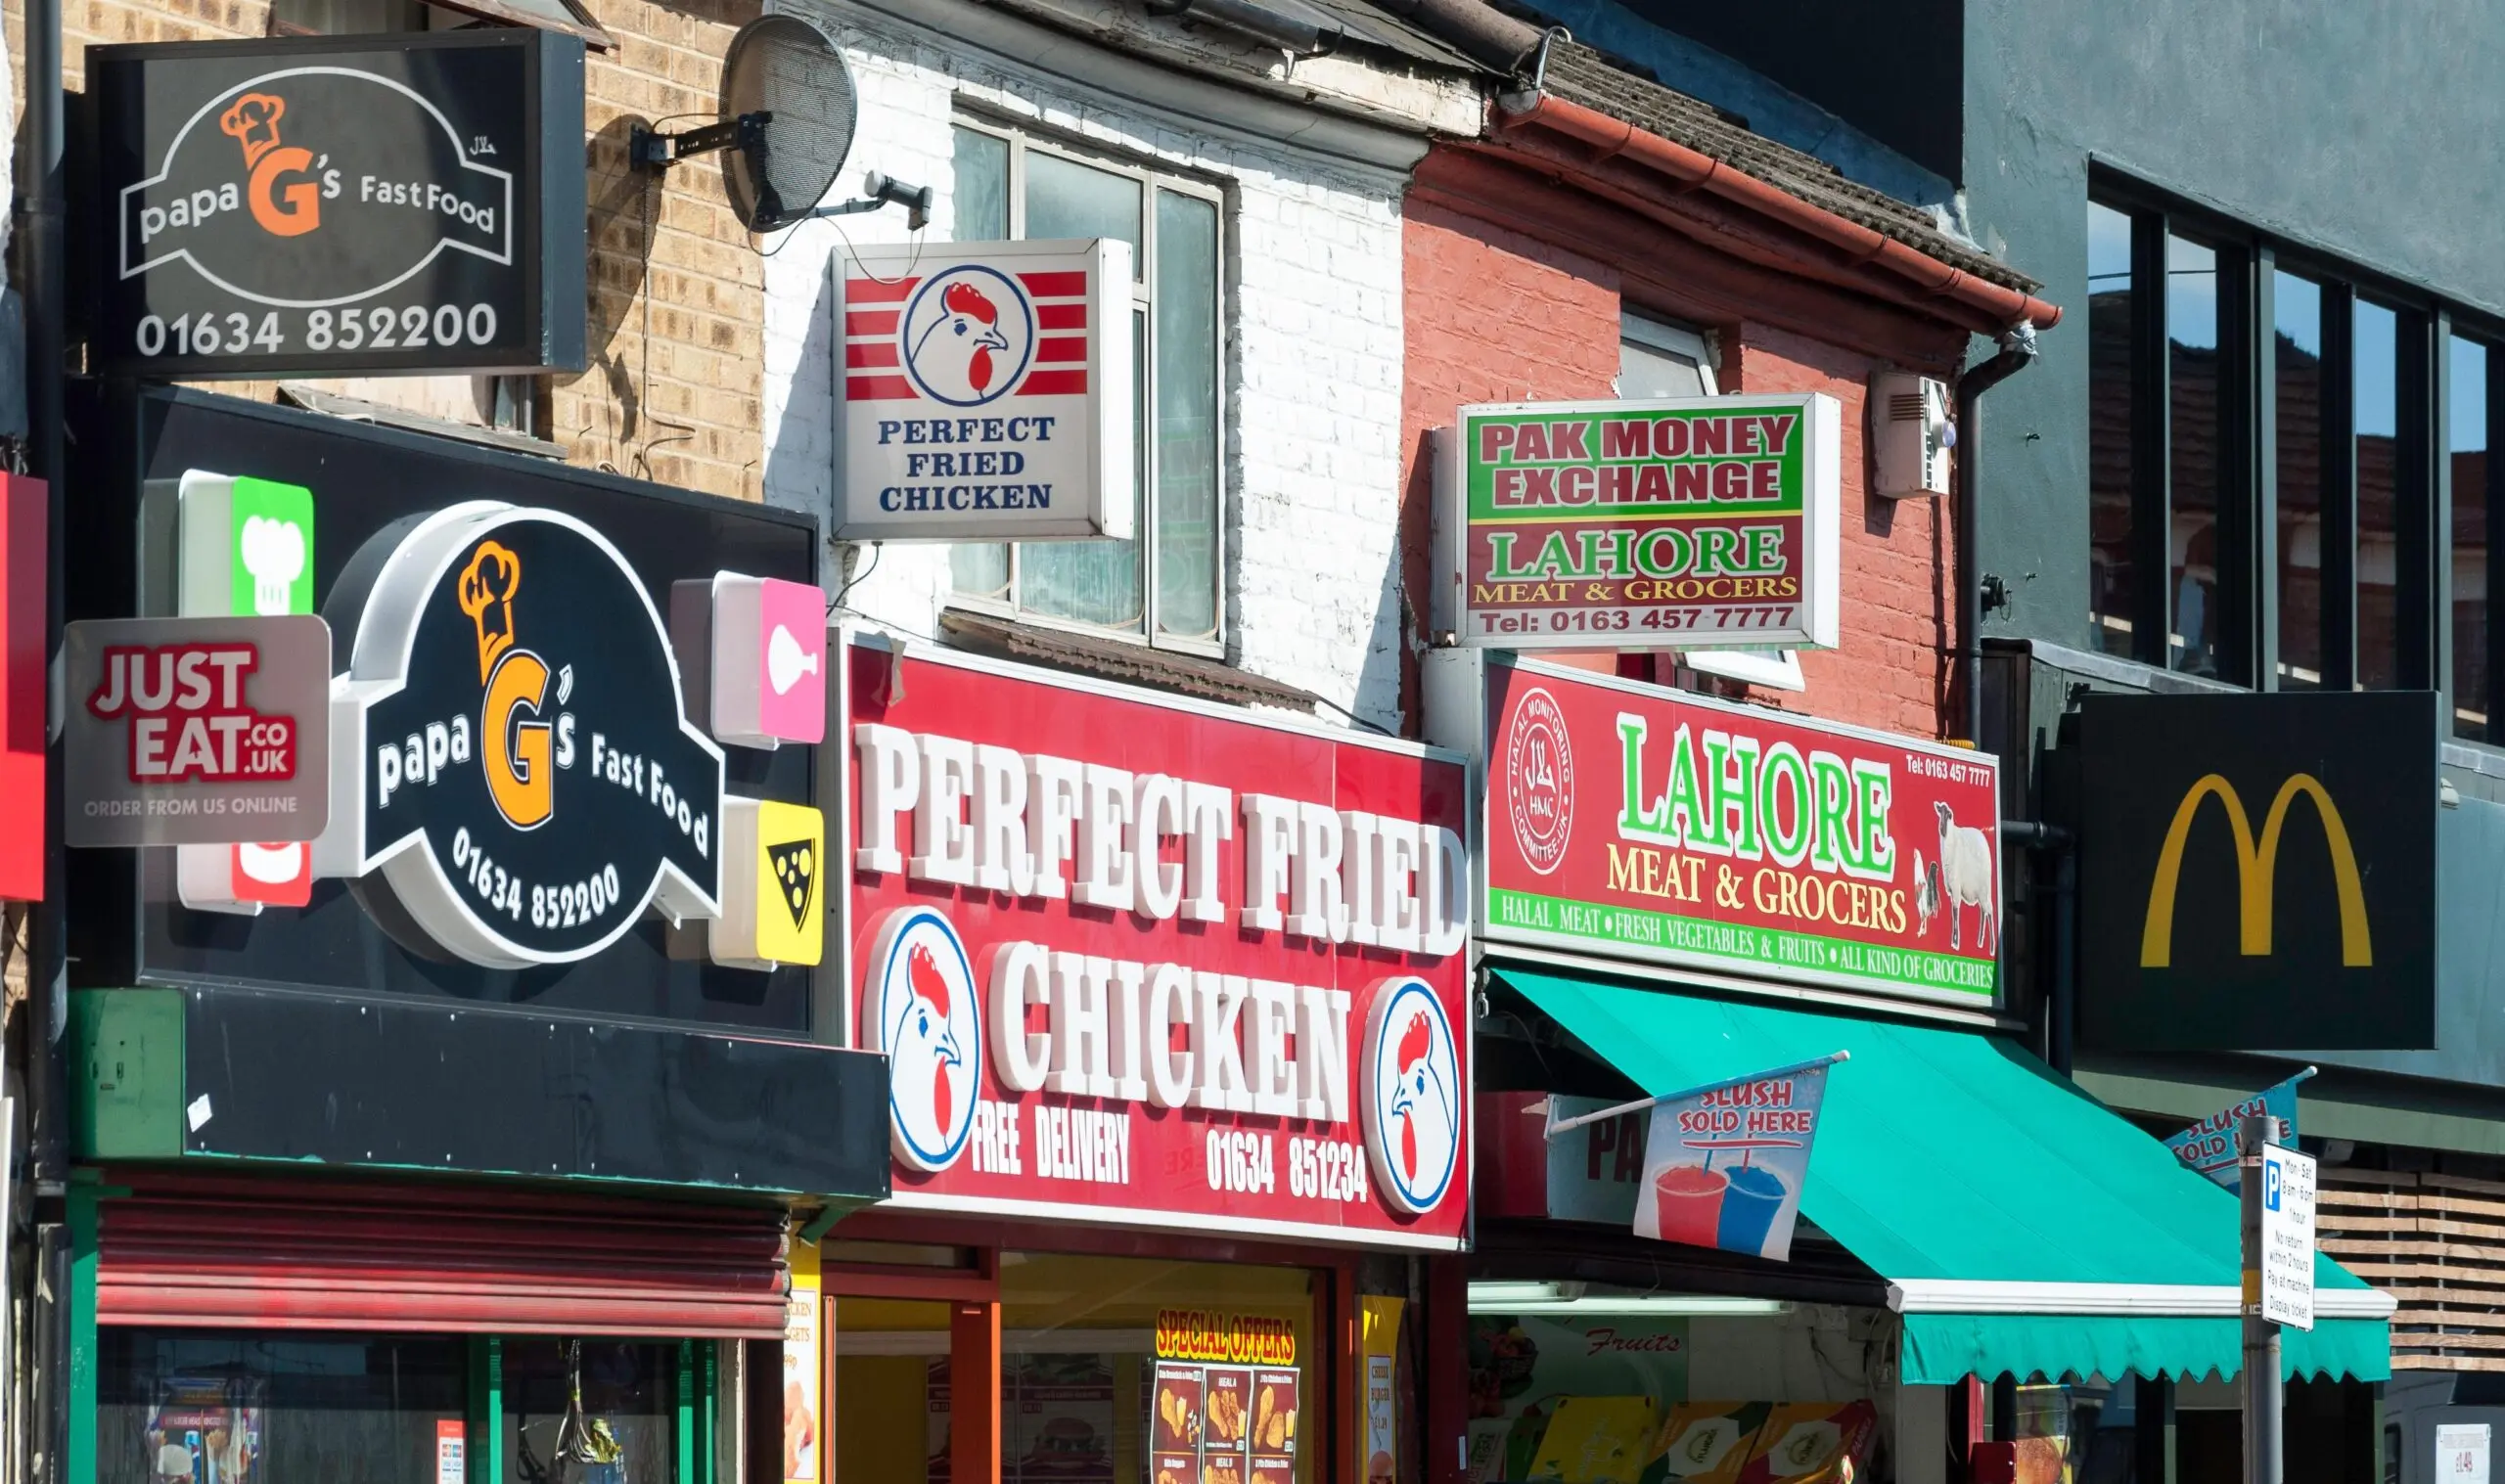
{"x": 988, "y": 392}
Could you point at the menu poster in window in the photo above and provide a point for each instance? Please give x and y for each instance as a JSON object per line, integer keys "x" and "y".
{"x": 935, "y": 1409}
{"x": 1227, "y": 1425}
{"x": 1274, "y": 1394}
{"x": 1178, "y": 1409}
{"x": 1813, "y": 1443}
{"x": 1062, "y": 1428}
{"x": 207, "y": 1427}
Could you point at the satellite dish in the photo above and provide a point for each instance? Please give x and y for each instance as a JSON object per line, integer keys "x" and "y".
{"x": 786, "y": 69}
{"x": 788, "y": 114}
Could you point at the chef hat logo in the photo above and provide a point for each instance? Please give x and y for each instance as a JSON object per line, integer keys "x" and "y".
{"x": 253, "y": 123}
{"x": 487, "y": 586}
{"x": 274, "y": 553}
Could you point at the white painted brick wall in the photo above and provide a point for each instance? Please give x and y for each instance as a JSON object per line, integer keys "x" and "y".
{"x": 1314, "y": 340}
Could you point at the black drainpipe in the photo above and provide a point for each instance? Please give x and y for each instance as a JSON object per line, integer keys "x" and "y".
{"x": 2061, "y": 1006}
{"x": 2017, "y": 348}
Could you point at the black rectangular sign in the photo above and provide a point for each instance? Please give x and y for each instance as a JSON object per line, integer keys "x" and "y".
{"x": 337, "y": 206}
{"x": 2258, "y": 872}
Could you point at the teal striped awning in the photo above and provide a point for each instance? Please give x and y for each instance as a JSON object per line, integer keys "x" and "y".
{"x": 2021, "y": 1226}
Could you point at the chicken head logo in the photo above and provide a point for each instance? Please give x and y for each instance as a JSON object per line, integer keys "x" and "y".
{"x": 919, "y": 1008}
{"x": 965, "y": 336}
{"x": 1413, "y": 1105}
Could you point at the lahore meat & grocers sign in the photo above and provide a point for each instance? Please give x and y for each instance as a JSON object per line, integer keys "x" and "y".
{"x": 1141, "y": 961}
{"x": 1680, "y": 523}
{"x": 340, "y": 205}
{"x": 1633, "y": 821}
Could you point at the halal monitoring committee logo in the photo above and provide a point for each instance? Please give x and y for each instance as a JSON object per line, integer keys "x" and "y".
{"x": 1540, "y": 782}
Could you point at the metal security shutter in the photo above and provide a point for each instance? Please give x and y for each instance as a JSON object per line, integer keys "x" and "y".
{"x": 322, "y": 1255}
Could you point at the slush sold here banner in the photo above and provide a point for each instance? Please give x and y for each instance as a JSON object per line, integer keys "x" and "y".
{"x": 1633, "y": 821}
{"x": 1679, "y": 522}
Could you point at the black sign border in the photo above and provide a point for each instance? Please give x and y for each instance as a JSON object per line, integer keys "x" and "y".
{"x": 551, "y": 243}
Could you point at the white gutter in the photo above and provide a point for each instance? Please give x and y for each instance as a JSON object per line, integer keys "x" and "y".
{"x": 1932, "y": 1295}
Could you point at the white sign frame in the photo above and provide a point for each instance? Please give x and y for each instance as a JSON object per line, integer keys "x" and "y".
{"x": 1820, "y": 622}
{"x": 2289, "y": 1185}
{"x": 2462, "y": 1453}
{"x": 1095, "y": 465}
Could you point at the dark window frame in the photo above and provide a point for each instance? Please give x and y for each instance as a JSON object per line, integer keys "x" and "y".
{"x": 2246, "y": 597}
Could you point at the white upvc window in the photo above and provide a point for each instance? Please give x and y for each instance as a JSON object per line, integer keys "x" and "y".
{"x": 1167, "y": 587}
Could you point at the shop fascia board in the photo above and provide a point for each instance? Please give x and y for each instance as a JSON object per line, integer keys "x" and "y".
{"x": 1388, "y": 130}
{"x": 1918, "y": 1295}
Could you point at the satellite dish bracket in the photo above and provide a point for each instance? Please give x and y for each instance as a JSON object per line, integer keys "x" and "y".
{"x": 883, "y": 192}
{"x": 652, "y": 150}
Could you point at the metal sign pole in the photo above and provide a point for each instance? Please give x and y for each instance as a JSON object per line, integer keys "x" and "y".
{"x": 2262, "y": 1385}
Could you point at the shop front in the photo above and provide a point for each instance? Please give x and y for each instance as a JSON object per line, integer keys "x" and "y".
{"x": 452, "y": 1131}
{"x": 1766, "y": 1188}
{"x": 1172, "y": 999}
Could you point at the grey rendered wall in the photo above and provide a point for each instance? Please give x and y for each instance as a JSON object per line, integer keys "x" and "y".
{"x": 2372, "y": 129}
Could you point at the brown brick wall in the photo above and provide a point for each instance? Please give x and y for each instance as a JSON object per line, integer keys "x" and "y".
{"x": 680, "y": 404}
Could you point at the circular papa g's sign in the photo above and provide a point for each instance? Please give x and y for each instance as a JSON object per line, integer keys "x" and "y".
{"x": 530, "y": 781}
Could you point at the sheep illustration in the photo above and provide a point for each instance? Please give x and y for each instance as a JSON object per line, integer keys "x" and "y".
{"x": 1967, "y": 875}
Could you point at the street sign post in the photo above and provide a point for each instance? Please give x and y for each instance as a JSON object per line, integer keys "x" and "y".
{"x": 2287, "y": 1236}
{"x": 2260, "y": 1380}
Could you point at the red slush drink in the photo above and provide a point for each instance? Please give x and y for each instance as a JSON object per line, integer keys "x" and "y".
{"x": 1689, "y": 1202}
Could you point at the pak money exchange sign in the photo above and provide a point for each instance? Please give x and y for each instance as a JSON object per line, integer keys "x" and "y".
{"x": 1139, "y": 960}
{"x": 342, "y": 205}
{"x": 1632, "y": 822}
{"x": 1680, "y": 523}
{"x": 986, "y": 391}
{"x": 515, "y": 772}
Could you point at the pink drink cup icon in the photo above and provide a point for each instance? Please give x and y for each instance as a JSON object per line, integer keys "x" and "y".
{"x": 1689, "y": 1203}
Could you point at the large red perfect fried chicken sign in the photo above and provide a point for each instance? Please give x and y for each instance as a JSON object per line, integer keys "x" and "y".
{"x": 1137, "y": 959}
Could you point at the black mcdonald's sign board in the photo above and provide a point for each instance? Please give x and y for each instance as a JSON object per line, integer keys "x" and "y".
{"x": 2257, "y": 872}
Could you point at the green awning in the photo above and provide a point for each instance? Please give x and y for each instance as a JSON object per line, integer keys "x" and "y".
{"x": 2020, "y": 1226}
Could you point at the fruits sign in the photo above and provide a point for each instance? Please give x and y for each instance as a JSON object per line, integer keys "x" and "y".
{"x": 986, "y": 391}
{"x": 1678, "y": 522}
{"x": 1711, "y": 836}
{"x": 1137, "y": 959}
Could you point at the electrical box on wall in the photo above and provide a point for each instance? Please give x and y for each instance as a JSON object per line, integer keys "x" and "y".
{"x": 1910, "y": 434}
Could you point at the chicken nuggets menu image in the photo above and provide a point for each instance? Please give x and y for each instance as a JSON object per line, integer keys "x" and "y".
{"x": 1227, "y": 1425}
{"x": 1178, "y": 1468}
{"x": 1273, "y": 1416}
{"x": 1178, "y": 1409}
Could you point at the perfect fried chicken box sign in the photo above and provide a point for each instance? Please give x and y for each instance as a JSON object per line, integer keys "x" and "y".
{"x": 1137, "y": 959}
{"x": 988, "y": 392}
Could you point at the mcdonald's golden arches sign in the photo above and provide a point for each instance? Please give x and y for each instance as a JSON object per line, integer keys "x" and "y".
{"x": 2257, "y": 872}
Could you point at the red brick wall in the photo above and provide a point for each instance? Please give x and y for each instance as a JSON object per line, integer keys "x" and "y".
{"x": 1492, "y": 313}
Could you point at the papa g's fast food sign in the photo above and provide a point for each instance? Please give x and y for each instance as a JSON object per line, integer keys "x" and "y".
{"x": 340, "y": 205}
{"x": 1633, "y": 821}
{"x": 1680, "y": 523}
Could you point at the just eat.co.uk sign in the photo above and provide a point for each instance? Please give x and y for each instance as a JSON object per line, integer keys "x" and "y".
{"x": 1136, "y": 960}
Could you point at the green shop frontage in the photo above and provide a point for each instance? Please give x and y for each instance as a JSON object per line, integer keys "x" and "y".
{"x": 1977, "y": 1272}
{"x": 439, "y": 1147}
